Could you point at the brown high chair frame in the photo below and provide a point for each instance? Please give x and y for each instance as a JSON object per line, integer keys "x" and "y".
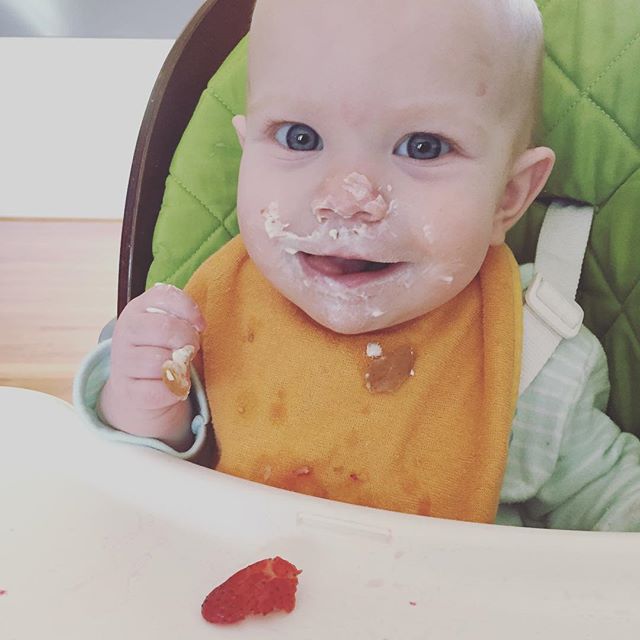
{"x": 203, "y": 45}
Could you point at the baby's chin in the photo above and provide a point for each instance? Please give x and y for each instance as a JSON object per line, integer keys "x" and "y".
{"x": 351, "y": 312}
{"x": 343, "y": 309}
{"x": 345, "y": 324}
{"x": 348, "y": 317}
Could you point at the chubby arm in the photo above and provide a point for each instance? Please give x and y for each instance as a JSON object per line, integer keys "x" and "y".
{"x": 595, "y": 484}
{"x": 134, "y": 398}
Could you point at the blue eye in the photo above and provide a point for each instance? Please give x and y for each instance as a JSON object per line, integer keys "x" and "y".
{"x": 298, "y": 137}
{"x": 422, "y": 146}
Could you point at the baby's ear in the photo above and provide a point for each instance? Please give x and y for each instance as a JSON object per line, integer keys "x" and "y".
{"x": 529, "y": 174}
{"x": 240, "y": 125}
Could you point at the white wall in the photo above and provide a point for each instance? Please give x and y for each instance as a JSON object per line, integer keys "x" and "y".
{"x": 70, "y": 110}
{"x": 96, "y": 18}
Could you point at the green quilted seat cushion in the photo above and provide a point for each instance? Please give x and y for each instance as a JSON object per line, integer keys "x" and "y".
{"x": 590, "y": 118}
{"x": 198, "y": 212}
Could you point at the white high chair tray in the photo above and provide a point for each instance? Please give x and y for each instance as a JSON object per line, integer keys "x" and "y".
{"x": 105, "y": 540}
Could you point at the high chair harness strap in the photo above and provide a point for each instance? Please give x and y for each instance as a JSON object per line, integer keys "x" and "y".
{"x": 550, "y": 311}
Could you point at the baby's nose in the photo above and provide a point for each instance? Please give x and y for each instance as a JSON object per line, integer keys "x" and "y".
{"x": 350, "y": 197}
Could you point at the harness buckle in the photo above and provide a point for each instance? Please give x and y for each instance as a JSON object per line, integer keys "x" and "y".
{"x": 562, "y": 315}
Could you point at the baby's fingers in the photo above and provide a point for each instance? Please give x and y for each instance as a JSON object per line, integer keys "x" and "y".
{"x": 167, "y": 299}
{"x": 159, "y": 330}
{"x": 144, "y": 363}
{"x": 149, "y": 395}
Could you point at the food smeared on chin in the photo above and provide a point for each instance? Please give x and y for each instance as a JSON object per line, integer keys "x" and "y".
{"x": 388, "y": 370}
{"x": 175, "y": 372}
{"x": 261, "y": 588}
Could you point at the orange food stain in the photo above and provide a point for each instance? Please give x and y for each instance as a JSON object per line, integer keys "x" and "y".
{"x": 390, "y": 371}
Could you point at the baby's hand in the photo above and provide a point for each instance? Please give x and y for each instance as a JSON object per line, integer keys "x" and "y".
{"x": 136, "y": 399}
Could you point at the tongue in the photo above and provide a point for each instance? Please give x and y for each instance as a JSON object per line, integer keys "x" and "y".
{"x": 333, "y": 266}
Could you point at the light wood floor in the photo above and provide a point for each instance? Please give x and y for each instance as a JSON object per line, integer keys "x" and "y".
{"x": 58, "y": 283}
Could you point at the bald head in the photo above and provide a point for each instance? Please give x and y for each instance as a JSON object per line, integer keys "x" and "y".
{"x": 520, "y": 24}
{"x": 501, "y": 36}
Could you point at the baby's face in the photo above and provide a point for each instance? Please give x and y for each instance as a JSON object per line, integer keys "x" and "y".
{"x": 375, "y": 156}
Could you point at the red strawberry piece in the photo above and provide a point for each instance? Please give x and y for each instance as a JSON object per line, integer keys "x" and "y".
{"x": 265, "y": 586}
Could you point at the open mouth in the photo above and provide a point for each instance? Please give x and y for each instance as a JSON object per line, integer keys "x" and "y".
{"x": 347, "y": 269}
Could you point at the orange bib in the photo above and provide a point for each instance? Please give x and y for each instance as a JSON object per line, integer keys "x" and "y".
{"x": 291, "y": 405}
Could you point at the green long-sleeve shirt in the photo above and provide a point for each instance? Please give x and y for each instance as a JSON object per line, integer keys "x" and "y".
{"x": 569, "y": 465}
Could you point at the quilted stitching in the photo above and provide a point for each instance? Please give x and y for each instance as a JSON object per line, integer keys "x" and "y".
{"x": 569, "y": 178}
{"x": 184, "y": 271}
{"x": 209, "y": 246}
{"x": 195, "y": 197}
{"x": 585, "y": 94}
{"x": 214, "y": 95}
{"x": 624, "y": 310}
{"x": 215, "y": 214}
{"x": 198, "y": 209}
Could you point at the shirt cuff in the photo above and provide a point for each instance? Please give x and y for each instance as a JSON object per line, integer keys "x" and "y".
{"x": 87, "y": 385}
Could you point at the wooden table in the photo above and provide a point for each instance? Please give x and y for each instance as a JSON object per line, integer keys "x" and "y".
{"x": 58, "y": 281}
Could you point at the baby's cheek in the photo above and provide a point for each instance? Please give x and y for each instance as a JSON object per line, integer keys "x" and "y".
{"x": 464, "y": 236}
{"x": 255, "y": 186}
{"x": 452, "y": 271}
{"x": 244, "y": 206}
{"x": 473, "y": 250}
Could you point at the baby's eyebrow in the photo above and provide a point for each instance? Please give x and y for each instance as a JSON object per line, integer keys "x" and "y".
{"x": 278, "y": 100}
{"x": 430, "y": 116}
{"x": 441, "y": 114}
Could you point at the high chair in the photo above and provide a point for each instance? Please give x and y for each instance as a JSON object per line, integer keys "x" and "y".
{"x": 180, "y": 204}
{"x": 108, "y": 541}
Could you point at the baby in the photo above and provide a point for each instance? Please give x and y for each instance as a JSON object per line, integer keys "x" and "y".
{"x": 361, "y": 339}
